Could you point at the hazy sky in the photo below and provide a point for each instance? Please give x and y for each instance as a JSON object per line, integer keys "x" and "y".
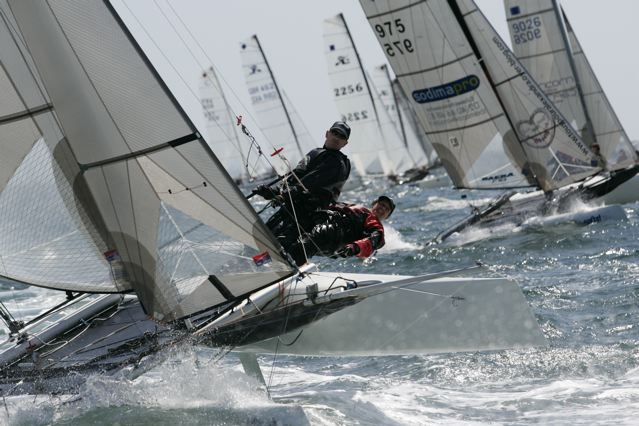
{"x": 290, "y": 32}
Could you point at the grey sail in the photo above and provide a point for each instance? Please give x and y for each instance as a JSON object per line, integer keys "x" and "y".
{"x": 546, "y": 45}
{"x": 132, "y": 157}
{"x": 489, "y": 122}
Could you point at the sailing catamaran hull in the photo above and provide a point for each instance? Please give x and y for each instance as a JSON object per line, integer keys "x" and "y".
{"x": 410, "y": 315}
{"x": 627, "y": 192}
{"x": 515, "y": 209}
{"x": 442, "y": 315}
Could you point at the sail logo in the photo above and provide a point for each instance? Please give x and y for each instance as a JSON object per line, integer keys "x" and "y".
{"x": 448, "y": 90}
{"x": 262, "y": 259}
{"x": 538, "y": 131}
{"x": 254, "y": 69}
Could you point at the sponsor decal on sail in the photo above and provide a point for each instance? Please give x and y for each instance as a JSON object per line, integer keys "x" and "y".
{"x": 448, "y": 90}
{"x": 539, "y": 130}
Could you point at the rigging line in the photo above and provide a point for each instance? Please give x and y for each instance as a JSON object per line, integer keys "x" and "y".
{"x": 215, "y": 68}
{"x": 203, "y": 67}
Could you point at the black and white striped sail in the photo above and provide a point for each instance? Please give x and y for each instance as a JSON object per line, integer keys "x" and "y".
{"x": 383, "y": 87}
{"x": 220, "y": 125}
{"x": 278, "y": 120}
{"x": 374, "y": 147}
{"x": 138, "y": 169}
{"x": 489, "y": 121}
{"x": 547, "y": 46}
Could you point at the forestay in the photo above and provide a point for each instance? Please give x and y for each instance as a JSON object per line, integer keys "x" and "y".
{"x": 274, "y": 115}
{"x": 551, "y": 53}
{"x": 133, "y": 159}
{"x": 478, "y": 104}
{"x": 220, "y": 124}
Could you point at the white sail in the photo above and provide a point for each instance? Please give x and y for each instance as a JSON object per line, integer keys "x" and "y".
{"x": 267, "y": 100}
{"x": 477, "y": 102}
{"x": 130, "y": 145}
{"x": 368, "y": 148}
{"x": 556, "y": 61}
{"x": 412, "y": 121}
{"x": 609, "y": 133}
{"x": 388, "y": 97}
{"x": 220, "y": 125}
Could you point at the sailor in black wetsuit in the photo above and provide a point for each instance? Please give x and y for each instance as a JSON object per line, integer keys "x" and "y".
{"x": 315, "y": 183}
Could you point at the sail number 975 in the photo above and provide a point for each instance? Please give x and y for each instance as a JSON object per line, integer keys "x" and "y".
{"x": 526, "y": 30}
{"x": 394, "y": 28}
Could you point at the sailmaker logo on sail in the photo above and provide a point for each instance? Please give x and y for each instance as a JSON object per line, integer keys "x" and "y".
{"x": 448, "y": 90}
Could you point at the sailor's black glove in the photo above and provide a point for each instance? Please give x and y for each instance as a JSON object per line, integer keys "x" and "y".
{"x": 265, "y": 192}
{"x": 349, "y": 250}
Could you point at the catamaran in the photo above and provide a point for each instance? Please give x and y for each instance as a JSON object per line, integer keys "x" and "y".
{"x": 489, "y": 121}
{"x": 545, "y": 43}
{"x": 113, "y": 198}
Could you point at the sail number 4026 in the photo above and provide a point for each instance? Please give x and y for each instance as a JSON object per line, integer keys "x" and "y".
{"x": 392, "y": 28}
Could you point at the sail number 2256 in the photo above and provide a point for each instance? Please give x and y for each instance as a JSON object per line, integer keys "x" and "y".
{"x": 394, "y": 28}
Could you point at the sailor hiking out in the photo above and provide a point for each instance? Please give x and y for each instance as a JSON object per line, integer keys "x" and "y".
{"x": 344, "y": 230}
{"x": 314, "y": 184}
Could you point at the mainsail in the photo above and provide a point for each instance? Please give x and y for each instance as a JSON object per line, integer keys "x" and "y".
{"x": 546, "y": 45}
{"x": 389, "y": 98}
{"x": 279, "y": 122}
{"x": 131, "y": 156}
{"x": 221, "y": 133}
{"x": 375, "y": 146}
{"x": 489, "y": 121}
{"x": 412, "y": 121}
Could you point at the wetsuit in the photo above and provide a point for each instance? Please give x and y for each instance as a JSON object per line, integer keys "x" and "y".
{"x": 323, "y": 173}
{"x": 338, "y": 226}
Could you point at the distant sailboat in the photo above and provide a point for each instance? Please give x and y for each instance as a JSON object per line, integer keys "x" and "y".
{"x": 491, "y": 124}
{"x": 278, "y": 120}
{"x": 547, "y": 46}
{"x": 375, "y": 147}
{"x": 112, "y": 197}
{"x": 221, "y": 132}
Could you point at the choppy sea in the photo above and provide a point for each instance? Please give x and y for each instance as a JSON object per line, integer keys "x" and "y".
{"x": 581, "y": 282}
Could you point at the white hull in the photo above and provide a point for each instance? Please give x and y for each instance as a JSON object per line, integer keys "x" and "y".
{"x": 627, "y": 192}
{"x": 442, "y": 315}
{"x": 599, "y": 214}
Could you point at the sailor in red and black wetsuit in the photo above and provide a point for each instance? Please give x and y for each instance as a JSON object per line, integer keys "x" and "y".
{"x": 322, "y": 174}
{"x": 345, "y": 230}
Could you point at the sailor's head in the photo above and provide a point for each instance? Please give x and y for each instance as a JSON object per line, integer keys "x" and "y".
{"x": 337, "y": 136}
{"x": 383, "y": 207}
{"x": 596, "y": 148}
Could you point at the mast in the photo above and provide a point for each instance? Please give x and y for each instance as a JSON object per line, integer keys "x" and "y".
{"x": 471, "y": 41}
{"x": 361, "y": 67}
{"x": 592, "y": 138}
{"x": 399, "y": 113}
{"x": 279, "y": 95}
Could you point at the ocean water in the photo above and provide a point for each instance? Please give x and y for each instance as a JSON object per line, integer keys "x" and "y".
{"x": 581, "y": 283}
